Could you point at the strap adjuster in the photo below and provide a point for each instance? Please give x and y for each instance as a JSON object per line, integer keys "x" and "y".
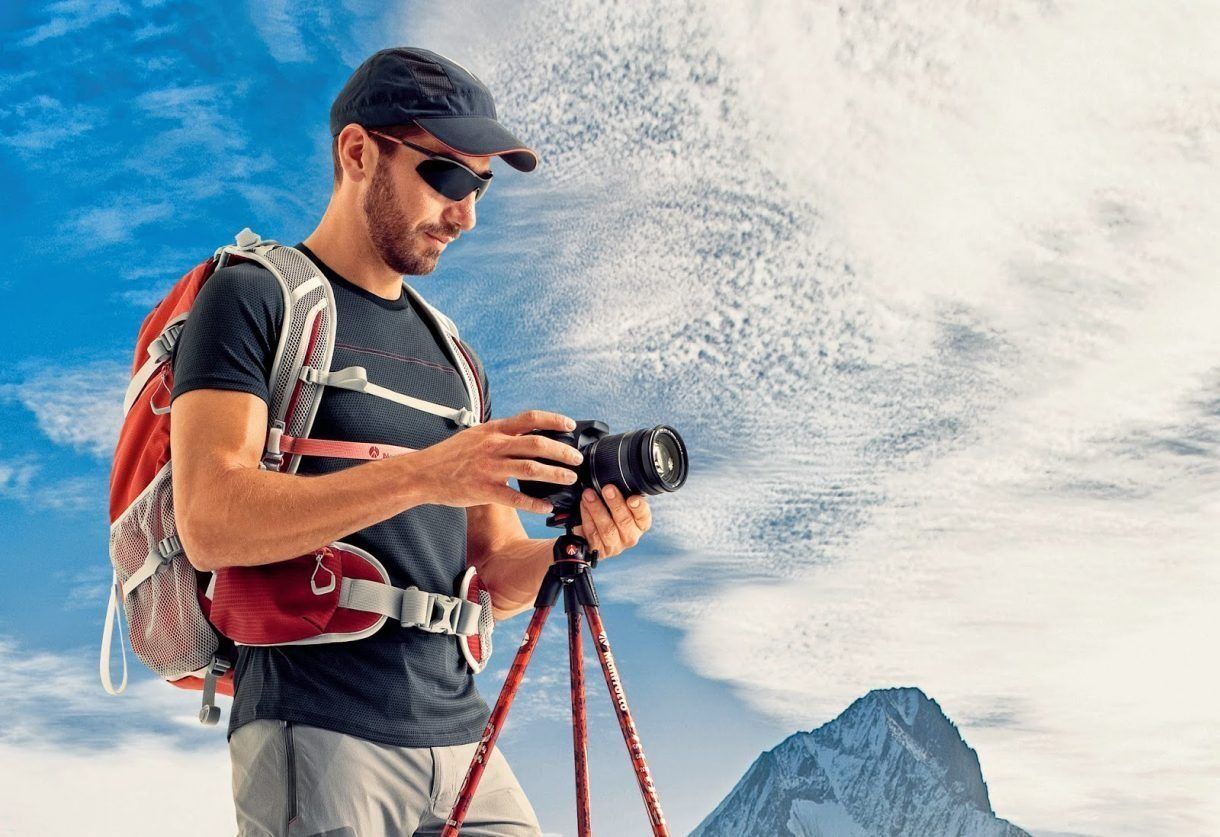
{"x": 167, "y": 548}
{"x": 310, "y": 375}
{"x": 163, "y": 345}
{"x": 273, "y": 457}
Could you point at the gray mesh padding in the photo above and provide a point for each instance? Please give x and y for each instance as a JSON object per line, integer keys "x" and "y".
{"x": 487, "y": 624}
{"x": 295, "y": 269}
{"x": 430, "y": 76}
{"x": 167, "y": 628}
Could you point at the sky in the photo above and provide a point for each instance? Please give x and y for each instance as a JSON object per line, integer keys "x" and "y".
{"x": 929, "y": 290}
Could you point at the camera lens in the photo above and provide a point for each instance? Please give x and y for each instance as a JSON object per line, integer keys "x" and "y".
{"x": 649, "y": 461}
{"x": 668, "y": 458}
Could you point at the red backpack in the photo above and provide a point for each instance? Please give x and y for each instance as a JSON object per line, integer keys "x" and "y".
{"x": 184, "y": 624}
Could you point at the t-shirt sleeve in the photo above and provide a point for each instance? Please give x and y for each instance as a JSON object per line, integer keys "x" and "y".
{"x": 230, "y": 337}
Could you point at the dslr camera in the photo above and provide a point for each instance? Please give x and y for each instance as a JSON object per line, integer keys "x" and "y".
{"x": 649, "y": 461}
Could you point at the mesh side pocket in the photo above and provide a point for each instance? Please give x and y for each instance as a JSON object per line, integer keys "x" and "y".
{"x": 168, "y": 630}
{"x": 476, "y": 648}
{"x": 487, "y": 624}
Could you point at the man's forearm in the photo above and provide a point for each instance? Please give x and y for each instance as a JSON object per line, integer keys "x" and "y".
{"x": 514, "y": 572}
{"x": 252, "y": 516}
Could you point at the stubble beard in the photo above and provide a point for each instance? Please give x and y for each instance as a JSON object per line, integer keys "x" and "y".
{"x": 404, "y": 250}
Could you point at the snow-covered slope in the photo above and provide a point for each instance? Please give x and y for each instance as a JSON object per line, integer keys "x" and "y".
{"x": 892, "y": 764}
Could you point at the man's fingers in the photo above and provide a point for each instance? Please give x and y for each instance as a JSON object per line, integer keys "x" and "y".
{"x": 517, "y": 500}
{"x": 532, "y": 469}
{"x": 594, "y": 511}
{"x": 641, "y": 511}
{"x": 540, "y": 447}
{"x": 535, "y": 420}
{"x": 623, "y": 518}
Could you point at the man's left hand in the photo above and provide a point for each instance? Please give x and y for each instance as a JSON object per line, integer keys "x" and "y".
{"x": 611, "y": 524}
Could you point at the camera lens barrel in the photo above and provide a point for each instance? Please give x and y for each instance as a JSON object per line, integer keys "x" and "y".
{"x": 648, "y": 461}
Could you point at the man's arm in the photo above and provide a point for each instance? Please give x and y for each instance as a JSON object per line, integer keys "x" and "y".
{"x": 231, "y": 513}
{"x": 512, "y": 564}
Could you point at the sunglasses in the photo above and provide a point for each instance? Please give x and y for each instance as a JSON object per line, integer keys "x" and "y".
{"x": 444, "y": 174}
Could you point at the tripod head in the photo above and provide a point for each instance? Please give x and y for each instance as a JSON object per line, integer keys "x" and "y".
{"x": 572, "y": 547}
{"x": 571, "y": 562}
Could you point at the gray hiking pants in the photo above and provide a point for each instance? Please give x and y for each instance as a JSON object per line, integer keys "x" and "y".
{"x": 292, "y": 780}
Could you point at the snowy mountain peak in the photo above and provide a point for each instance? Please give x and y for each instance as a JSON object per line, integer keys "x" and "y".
{"x": 892, "y": 763}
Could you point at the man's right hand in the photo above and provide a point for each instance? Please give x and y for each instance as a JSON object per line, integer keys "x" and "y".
{"x": 472, "y": 467}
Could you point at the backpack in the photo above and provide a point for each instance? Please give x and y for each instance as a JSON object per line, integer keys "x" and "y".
{"x": 185, "y": 624}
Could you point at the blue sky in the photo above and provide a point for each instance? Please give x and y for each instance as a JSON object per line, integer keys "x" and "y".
{"x": 138, "y": 138}
{"x": 928, "y": 290}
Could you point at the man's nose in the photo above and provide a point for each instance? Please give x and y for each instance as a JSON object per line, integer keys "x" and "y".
{"x": 461, "y": 213}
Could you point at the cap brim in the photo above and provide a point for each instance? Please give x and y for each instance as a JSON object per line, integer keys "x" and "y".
{"x": 478, "y": 136}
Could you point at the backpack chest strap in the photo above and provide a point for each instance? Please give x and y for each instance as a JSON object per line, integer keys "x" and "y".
{"x": 356, "y": 379}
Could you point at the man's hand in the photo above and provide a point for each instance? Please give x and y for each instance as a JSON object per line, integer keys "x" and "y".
{"x": 614, "y": 525}
{"x": 472, "y": 467}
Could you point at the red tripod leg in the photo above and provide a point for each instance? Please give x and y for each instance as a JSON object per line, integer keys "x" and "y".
{"x": 495, "y": 723}
{"x": 619, "y": 698}
{"x": 580, "y": 737}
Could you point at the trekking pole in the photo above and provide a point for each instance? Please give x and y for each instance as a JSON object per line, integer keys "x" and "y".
{"x": 569, "y": 572}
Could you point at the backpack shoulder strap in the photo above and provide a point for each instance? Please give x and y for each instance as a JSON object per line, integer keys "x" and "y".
{"x": 307, "y": 333}
{"x": 301, "y": 369}
{"x": 453, "y": 347}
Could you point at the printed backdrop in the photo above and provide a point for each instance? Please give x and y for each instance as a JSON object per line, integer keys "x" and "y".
{"x": 930, "y": 291}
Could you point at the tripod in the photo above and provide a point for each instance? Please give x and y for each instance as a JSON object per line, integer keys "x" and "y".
{"x": 569, "y": 572}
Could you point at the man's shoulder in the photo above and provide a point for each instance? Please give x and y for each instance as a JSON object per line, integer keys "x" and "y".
{"x": 244, "y": 286}
{"x": 242, "y": 275}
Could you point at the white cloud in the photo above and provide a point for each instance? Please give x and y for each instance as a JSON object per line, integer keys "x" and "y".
{"x": 81, "y": 406}
{"x": 279, "y": 24}
{"x": 16, "y": 476}
{"x": 62, "y": 737}
{"x": 117, "y": 222}
{"x": 56, "y": 699}
{"x": 42, "y": 123}
{"x": 132, "y": 789}
{"x": 931, "y": 293}
{"x": 301, "y": 32}
{"x": 86, "y": 589}
{"x": 73, "y": 16}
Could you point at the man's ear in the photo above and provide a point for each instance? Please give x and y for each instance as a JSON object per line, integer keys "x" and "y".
{"x": 357, "y": 153}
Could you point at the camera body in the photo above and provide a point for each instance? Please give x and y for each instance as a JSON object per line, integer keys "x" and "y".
{"x": 648, "y": 461}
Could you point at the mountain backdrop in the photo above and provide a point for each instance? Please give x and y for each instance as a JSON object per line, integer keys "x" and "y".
{"x": 892, "y": 764}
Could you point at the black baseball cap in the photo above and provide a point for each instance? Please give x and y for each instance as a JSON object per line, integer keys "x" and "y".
{"x": 405, "y": 84}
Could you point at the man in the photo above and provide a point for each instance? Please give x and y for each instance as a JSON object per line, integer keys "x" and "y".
{"x": 374, "y": 736}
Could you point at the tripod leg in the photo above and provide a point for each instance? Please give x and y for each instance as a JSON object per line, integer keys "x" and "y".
{"x": 580, "y": 736}
{"x": 496, "y": 722}
{"x": 618, "y": 697}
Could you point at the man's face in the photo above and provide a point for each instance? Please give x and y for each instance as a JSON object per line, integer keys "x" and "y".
{"x": 406, "y": 216}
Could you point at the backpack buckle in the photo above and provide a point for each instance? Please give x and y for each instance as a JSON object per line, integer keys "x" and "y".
{"x": 431, "y": 612}
{"x": 442, "y": 619}
{"x": 273, "y": 457}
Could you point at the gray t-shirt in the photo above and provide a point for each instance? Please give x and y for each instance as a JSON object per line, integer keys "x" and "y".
{"x": 400, "y": 686}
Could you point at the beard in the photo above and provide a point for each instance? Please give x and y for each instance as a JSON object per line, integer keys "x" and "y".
{"x": 403, "y": 249}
